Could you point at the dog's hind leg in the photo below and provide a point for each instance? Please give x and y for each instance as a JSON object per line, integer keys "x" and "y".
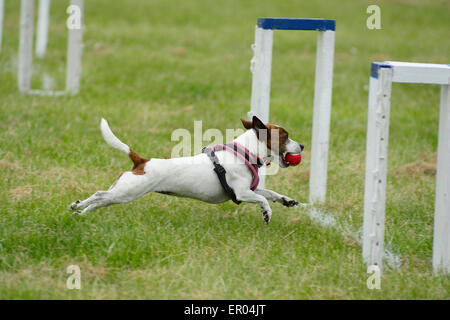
{"x": 81, "y": 204}
{"x": 91, "y": 207}
{"x": 127, "y": 188}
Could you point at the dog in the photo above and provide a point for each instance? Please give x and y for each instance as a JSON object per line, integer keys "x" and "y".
{"x": 194, "y": 176}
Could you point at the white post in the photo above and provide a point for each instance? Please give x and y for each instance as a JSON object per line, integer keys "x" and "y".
{"x": 26, "y": 45}
{"x": 376, "y": 166}
{"x": 75, "y": 51}
{"x": 261, "y": 67}
{"x": 42, "y": 28}
{"x": 2, "y": 8}
{"x": 321, "y": 117}
{"x": 441, "y": 239}
{"x": 382, "y": 76}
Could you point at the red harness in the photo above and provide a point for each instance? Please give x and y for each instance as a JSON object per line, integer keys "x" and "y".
{"x": 252, "y": 162}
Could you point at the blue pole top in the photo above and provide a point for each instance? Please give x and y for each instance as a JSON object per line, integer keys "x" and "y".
{"x": 296, "y": 24}
{"x": 377, "y": 65}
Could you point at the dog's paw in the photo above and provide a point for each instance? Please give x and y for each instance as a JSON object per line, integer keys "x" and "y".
{"x": 287, "y": 202}
{"x": 76, "y": 214}
{"x": 267, "y": 215}
{"x": 74, "y": 206}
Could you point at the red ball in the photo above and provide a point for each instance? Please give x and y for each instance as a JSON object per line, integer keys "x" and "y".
{"x": 293, "y": 159}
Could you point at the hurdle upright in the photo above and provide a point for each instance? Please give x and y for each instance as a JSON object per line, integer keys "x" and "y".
{"x": 42, "y": 27}
{"x": 2, "y": 9}
{"x": 382, "y": 76}
{"x": 74, "y": 47}
{"x": 261, "y": 66}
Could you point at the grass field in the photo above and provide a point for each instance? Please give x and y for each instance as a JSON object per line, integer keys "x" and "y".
{"x": 151, "y": 67}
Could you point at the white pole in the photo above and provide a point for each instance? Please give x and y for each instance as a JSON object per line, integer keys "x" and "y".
{"x": 321, "y": 117}
{"x": 376, "y": 167}
{"x": 261, "y": 69}
{"x": 26, "y": 45}
{"x": 2, "y": 7}
{"x": 42, "y": 28}
{"x": 260, "y": 100}
{"x": 441, "y": 239}
{"x": 75, "y": 50}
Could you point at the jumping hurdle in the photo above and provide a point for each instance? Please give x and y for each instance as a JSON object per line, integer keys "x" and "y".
{"x": 382, "y": 76}
{"x": 74, "y": 47}
{"x": 261, "y": 66}
{"x": 42, "y": 29}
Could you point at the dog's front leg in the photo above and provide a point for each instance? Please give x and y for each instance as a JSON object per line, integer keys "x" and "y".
{"x": 276, "y": 197}
{"x": 250, "y": 196}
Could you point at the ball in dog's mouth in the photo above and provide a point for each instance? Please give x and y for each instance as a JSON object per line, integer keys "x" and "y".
{"x": 293, "y": 159}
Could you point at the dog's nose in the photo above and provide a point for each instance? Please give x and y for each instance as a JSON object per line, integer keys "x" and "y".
{"x": 302, "y": 147}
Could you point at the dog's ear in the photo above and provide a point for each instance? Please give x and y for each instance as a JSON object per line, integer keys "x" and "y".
{"x": 257, "y": 124}
{"x": 247, "y": 124}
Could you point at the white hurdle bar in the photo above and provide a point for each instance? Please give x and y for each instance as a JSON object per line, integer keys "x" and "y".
{"x": 74, "y": 48}
{"x": 261, "y": 65}
{"x": 381, "y": 78}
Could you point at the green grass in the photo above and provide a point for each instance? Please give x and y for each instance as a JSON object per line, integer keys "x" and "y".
{"x": 151, "y": 67}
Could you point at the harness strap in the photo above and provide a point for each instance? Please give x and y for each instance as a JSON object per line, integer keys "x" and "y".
{"x": 242, "y": 153}
{"x": 220, "y": 171}
{"x": 245, "y": 153}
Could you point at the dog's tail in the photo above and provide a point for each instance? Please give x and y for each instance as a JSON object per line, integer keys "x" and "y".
{"x": 114, "y": 142}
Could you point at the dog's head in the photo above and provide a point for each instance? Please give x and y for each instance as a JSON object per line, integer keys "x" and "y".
{"x": 275, "y": 138}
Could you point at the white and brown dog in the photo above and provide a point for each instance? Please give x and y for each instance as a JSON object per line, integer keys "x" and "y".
{"x": 194, "y": 176}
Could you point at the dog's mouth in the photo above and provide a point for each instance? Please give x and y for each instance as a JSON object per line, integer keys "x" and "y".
{"x": 282, "y": 157}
